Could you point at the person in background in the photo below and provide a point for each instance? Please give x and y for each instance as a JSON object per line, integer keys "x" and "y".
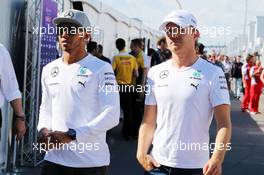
{"x": 215, "y": 59}
{"x": 9, "y": 91}
{"x": 200, "y": 50}
{"x": 151, "y": 52}
{"x": 125, "y": 67}
{"x": 140, "y": 81}
{"x": 92, "y": 48}
{"x": 237, "y": 75}
{"x": 256, "y": 87}
{"x": 100, "y": 54}
{"x": 162, "y": 54}
{"x": 227, "y": 68}
{"x": 246, "y": 80}
{"x": 209, "y": 58}
{"x": 262, "y": 77}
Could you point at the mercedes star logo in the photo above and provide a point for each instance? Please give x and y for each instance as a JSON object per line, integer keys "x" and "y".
{"x": 55, "y": 71}
{"x": 164, "y": 74}
{"x": 69, "y": 14}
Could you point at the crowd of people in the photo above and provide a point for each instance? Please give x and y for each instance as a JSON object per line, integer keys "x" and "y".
{"x": 247, "y": 76}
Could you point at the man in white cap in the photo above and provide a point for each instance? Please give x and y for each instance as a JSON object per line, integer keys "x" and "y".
{"x": 79, "y": 104}
{"x": 183, "y": 94}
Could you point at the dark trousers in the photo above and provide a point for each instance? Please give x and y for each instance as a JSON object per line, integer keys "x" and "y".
{"x": 126, "y": 102}
{"x": 227, "y": 76}
{"x": 138, "y": 106}
{"x": 49, "y": 168}
{"x": 164, "y": 170}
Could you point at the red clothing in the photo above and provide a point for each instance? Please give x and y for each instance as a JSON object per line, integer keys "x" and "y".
{"x": 246, "y": 76}
{"x": 255, "y": 90}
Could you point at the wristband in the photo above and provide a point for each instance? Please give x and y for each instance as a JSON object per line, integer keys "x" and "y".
{"x": 22, "y": 118}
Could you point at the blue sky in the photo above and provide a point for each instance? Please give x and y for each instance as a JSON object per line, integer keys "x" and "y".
{"x": 227, "y": 15}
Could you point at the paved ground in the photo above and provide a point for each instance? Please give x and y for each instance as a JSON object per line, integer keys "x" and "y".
{"x": 245, "y": 158}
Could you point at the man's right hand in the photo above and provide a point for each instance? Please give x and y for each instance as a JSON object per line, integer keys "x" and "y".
{"x": 43, "y": 137}
{"x": 147, "y": 162}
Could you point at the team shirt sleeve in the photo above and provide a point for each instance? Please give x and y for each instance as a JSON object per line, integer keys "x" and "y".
{"x": 45, "y": 111}
{"x": 150, "y": 90}
{"x": 219, "y": 93}
{"x": 110, "y": 106}
{"x": 9, "y": 83}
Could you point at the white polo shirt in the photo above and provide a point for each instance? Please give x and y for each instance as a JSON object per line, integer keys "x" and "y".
{"x": 185, "y": 99}
{"x": 9, "y": 89}
{"x": 80, "y": 96}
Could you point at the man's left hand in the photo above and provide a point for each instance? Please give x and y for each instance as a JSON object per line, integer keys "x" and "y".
{"x": 19, "y": 128}
{"x": 213, "y": 167}
{"x": 59, "y": 137}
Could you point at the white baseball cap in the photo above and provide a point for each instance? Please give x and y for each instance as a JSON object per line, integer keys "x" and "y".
{"x": 182, "y": 18}
{"x": 73, "y": 16}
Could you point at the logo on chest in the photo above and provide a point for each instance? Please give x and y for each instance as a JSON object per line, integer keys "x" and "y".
{"x": 196, "y": 75}
{"x": 55, "y": 71}
{"x": 83, "y": 72}
{"x": 164, "y": 74}
{"x": 82, "y": 83}
{"x": 195, "y": 86}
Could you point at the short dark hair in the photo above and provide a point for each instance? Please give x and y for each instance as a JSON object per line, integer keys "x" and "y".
{"x": 120, "y": 44}
{"x": 249, "y": 57}
{"x": 151, "y": 51}
{"x": 100, "y": 48}
{"x": 137, "y": 42}
{"x": 91, "y": 46}
{"x": 161, "y": 40}
{"x": 200, "y": 48}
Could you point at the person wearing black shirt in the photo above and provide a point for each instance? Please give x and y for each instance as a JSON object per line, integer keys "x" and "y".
{"x": 162, "y": 54}
{"x": 100, "y": 54}
{"x": 237, "y": 75}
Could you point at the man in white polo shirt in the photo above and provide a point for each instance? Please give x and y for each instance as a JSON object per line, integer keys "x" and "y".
{"x": 183, "y": 94}
{"x": 9, "y": 90}
{"x": 79, "y": 103}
